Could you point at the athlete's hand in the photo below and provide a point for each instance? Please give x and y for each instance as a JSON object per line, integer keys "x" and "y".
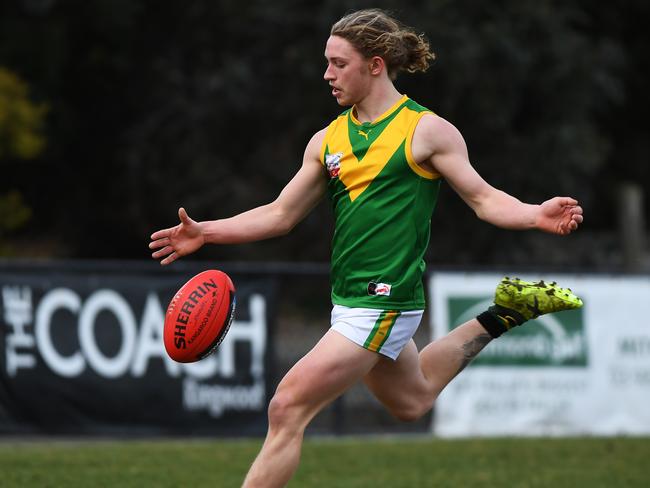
{"x": 177, "y": 241}
{"x": 559, "y": 215}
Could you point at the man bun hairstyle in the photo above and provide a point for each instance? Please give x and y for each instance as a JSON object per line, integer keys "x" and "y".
{"x": 374, "y": 32}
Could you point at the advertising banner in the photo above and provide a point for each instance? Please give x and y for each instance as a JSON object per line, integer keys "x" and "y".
{"x": 576, "y": 372}
{"x": 81, "y": 352}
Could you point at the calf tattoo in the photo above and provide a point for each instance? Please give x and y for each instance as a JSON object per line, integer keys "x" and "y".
{"x": 472, "y": 347}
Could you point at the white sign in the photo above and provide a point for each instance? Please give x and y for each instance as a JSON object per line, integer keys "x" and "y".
{"x": 576, "y": 372}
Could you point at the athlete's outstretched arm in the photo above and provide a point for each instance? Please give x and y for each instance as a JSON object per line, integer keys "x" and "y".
{"x": 295, "y": 201}
{"x": 448, "y": 156}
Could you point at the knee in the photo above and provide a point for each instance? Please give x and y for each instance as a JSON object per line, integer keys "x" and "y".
{"x": 411, "y": 411}
{"x": 284, "y": 411}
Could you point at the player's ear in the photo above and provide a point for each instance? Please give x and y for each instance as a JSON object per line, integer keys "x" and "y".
{"x": 376, "y": 65}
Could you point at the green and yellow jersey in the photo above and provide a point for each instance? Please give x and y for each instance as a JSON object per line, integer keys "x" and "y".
{"x": 383, "y": 202}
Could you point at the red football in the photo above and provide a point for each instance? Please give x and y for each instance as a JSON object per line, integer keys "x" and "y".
{"x": 199, "y": 316}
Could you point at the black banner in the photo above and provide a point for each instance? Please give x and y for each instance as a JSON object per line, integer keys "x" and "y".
{"x": 81, "y": 352}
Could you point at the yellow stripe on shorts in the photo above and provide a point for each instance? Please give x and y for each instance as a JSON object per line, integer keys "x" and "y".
{"x": 381, "y": 330}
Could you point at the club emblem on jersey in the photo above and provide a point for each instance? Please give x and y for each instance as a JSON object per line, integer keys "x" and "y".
{"x": 333, "y": 164}
{"x": 382, "y": 289}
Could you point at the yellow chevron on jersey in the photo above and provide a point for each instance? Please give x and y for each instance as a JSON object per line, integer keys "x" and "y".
{"x": 382, "y": 201}
{"x": 356, "y": 173}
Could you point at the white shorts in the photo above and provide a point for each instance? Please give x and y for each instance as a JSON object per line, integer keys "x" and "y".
{"x": 382, "y": 331}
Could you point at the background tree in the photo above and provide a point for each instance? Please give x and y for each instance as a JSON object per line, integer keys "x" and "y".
{"x": 21, "y": 122}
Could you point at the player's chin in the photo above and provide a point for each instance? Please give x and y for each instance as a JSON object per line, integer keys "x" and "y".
{"x": 343, "y": 100}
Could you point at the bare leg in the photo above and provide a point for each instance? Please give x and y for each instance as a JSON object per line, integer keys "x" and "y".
{"x": 409, "y": 386}
{"x": 330, "y": 368}
{"x": 444, "y": 358}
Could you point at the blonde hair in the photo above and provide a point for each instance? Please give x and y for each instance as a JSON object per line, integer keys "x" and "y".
{"x": 374, "y": 32}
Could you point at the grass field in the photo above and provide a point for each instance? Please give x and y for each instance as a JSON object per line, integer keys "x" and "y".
{"x": 332, "y": 463}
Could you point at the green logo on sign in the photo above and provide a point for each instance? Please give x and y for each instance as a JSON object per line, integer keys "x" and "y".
{"x": 551, "y": 340}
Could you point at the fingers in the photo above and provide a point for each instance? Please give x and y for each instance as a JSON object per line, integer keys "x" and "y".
{"x": 167, "y": 253}
{"x": 567, "y": 201}
{"x": 162, "y": 252}
{"x": 183, "y": 217}
{"x": 159, "y": 243}
{"x": 576, "y": 217}
{"x": 574, "y": 222}
{"x": 169, "y": 259}
{"x": 161, "y": 240}
{"x": 161, "y": 233}
{"x": 574, "y": 212}
{"x": 164, "y": 243}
